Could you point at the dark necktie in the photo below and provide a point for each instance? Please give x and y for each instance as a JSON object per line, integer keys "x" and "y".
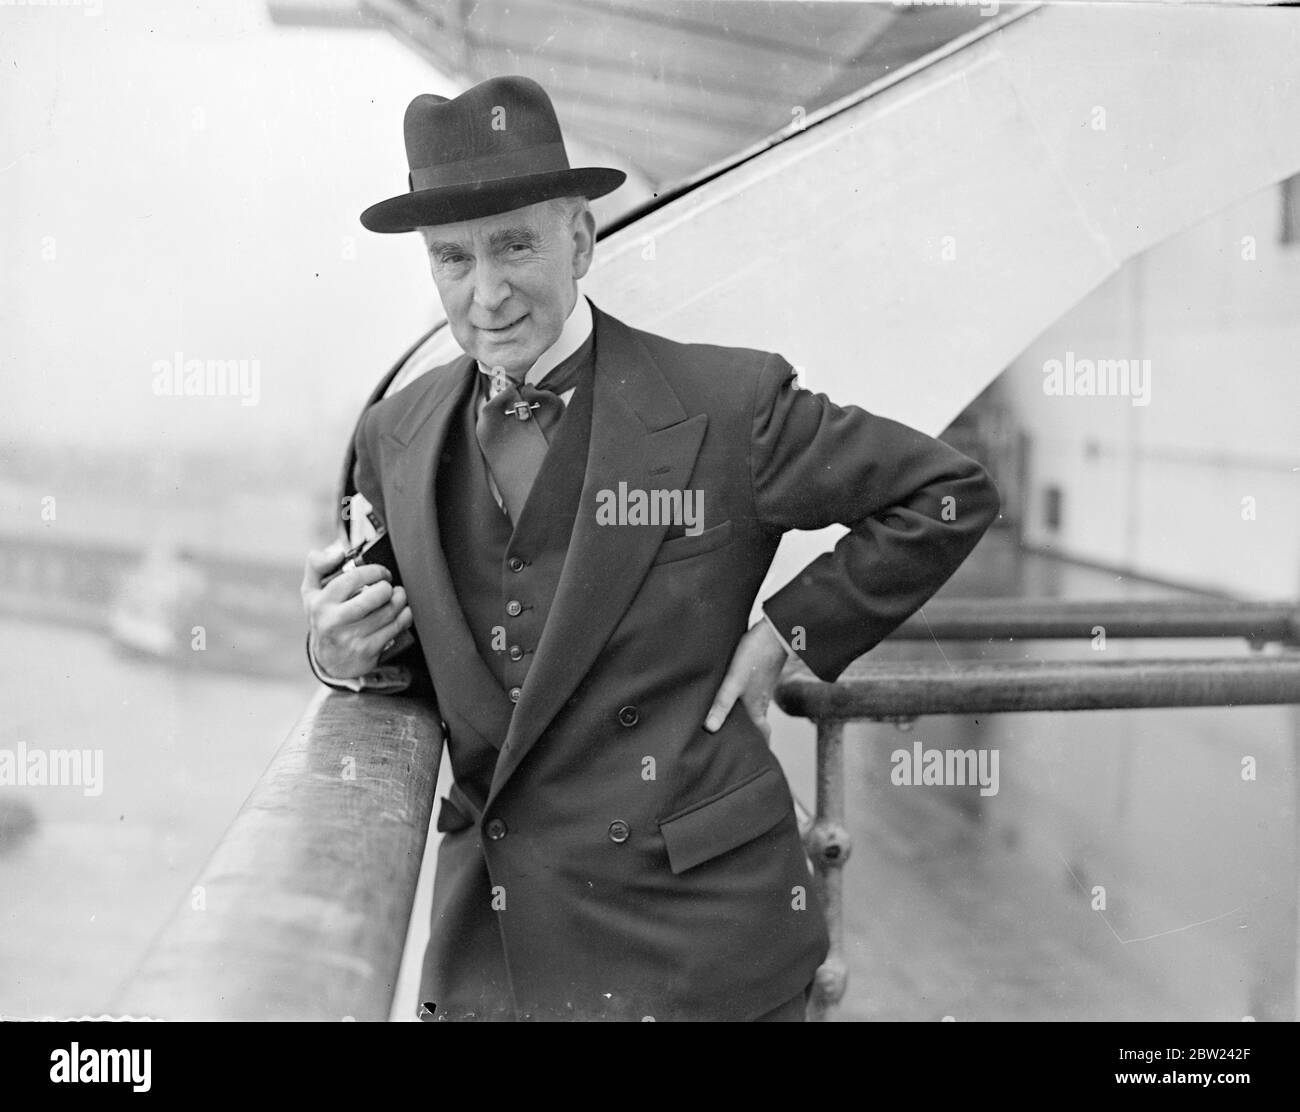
{"x": 515, "y": 427}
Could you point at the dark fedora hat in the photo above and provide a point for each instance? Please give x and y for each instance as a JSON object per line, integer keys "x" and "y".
{"x": 494, "y": 148}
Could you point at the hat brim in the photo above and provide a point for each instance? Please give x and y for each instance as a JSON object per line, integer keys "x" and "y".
{"x": 448, "y": 204}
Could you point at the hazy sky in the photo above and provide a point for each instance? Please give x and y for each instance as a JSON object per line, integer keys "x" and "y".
{"x": 186, "y": 178}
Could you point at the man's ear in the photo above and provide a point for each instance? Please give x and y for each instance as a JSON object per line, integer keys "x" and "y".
{"x": 584, "y": 242}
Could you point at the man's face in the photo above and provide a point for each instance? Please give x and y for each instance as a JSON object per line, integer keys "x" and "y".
{"x": 508, "y": 282}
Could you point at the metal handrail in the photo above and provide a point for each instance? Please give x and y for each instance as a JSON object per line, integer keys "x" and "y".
{"x": 902, "y": 691}
{"x": 1027, "y": 619}
{"x": 910, "y": 688}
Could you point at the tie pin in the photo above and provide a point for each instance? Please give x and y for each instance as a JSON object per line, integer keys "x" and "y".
{"x": 523, "y": 410}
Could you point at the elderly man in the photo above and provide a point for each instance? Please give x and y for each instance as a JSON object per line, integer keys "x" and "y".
{"x": 581, "y": 515}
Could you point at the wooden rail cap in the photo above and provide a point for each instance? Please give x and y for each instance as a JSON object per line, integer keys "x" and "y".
{"x": 302, "y": 910}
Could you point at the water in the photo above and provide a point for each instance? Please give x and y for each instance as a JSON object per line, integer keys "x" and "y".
{"x": 88, "y": 883}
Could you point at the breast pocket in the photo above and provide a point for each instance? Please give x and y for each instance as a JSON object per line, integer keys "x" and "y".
{"x": 679, "y": 548}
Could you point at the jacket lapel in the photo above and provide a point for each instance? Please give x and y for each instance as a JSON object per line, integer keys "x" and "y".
{"x": 461, "y": 679}
{"x": 641, "y": 436}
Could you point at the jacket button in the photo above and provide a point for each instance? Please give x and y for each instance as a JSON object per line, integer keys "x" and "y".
{"x": 619, "y": 831}
{"x": 515, "y": 692}
{"x": 496, "y": 829}
{"x": 515, "y": 564}
{"x": 514, "y": 608}
{"x": 629, "y": 716}
{"x": 516, "y": 652}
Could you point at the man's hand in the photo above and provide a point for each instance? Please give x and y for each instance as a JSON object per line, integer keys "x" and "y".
{"x": 751, "y": 677}
{"x": 353, "y": 616}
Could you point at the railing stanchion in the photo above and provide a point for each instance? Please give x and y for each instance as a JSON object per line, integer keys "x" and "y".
{"x": 829, "y": 846}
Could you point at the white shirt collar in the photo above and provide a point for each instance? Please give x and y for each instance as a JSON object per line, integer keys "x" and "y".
{"x": 572, "y": 336}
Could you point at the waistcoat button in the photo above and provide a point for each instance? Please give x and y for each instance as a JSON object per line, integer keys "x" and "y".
{"x": 619, "y": 831}
{"x": 629, "y": 716}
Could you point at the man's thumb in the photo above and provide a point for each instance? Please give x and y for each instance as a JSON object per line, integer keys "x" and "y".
{"x": 322, "y": 561}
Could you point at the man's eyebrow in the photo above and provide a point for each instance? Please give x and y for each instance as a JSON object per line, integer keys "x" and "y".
{"x": 520, "y": 234}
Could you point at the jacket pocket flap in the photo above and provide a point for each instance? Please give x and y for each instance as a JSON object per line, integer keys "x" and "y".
{"x": 727, "y": 821}
{"x": 680, "y": 548}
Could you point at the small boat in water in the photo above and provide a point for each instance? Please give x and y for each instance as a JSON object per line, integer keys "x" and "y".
{"x": 150, "y": 612}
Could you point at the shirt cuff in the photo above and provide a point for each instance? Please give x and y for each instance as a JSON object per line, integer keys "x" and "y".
{"x": 790, "y": 653}
{"x": 387, "y": 679}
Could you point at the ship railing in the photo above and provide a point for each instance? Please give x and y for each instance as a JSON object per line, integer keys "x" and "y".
{"x": 302, "y": 910}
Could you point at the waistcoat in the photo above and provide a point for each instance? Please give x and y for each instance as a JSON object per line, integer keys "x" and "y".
{"x": 505, "y": 576}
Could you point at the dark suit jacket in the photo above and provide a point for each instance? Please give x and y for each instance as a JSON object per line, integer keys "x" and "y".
{"x": 706, "y": 909}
